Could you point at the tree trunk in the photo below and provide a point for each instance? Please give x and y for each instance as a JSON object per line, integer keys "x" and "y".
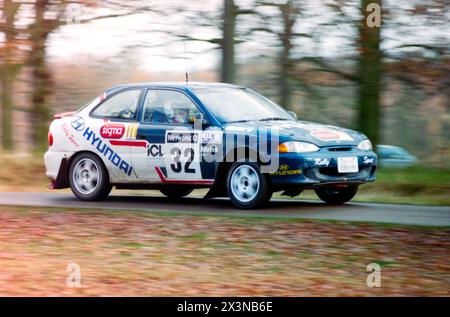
{"x": 39, "y": 97}
{"x": 284, "y": 85}
{"x": 9, "y": 69}
{"x": 228, "y": 71}
{"x": 39, "y": 117}
{"x": 369, "y": 76}
{"x": 289, "y": 16}
{"x": 7, "y": 107}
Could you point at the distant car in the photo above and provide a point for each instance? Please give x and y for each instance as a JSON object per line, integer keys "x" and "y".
{"x": 394, "y": 156}
{"x": 163, "y": 136}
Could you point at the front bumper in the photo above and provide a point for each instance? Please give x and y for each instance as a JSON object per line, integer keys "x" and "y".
{"x": 320, "y": 168}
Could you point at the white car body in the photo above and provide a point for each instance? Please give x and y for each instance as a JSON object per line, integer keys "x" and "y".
{"x": 124, "y": 163}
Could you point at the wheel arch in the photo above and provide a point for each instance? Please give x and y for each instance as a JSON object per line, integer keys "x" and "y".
{"x": 62, "y": 180}
{"x": 219, "y": 187}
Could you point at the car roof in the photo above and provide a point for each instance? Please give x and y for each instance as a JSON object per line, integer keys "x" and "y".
{"x": 176, "y": 85}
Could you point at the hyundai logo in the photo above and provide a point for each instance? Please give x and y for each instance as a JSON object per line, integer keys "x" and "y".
{"x": 78, "y": 123}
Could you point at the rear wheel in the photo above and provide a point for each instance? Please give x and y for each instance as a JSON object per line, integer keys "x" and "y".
{"x": 88, "y": 178}
{"x": 176, "y": 193}
{"x": 337, "y": 195}
{"x": 247, "y": 187}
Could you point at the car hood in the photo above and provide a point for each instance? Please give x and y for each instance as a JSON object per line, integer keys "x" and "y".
{"x": 319, "y": 134}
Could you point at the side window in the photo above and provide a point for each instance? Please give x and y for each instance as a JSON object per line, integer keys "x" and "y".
{"x": 120, "y": 106}
{"x": 168, "y": 106}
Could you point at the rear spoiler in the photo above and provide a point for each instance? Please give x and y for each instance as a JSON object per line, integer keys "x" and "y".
{"x": 63, "y": 114}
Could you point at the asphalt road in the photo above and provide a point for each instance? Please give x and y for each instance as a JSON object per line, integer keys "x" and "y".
{"x": 365, "y": 212}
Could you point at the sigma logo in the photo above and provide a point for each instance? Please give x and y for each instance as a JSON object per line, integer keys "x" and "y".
{"x": 112, "y": 131}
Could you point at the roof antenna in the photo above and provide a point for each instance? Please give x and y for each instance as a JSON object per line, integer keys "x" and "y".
{"x": 185, "y": 64}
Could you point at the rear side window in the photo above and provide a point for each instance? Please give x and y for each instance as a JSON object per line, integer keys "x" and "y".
{"x": 120, "y": 106}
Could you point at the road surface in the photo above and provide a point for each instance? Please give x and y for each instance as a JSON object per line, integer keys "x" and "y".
{"x": 364, "y": 212}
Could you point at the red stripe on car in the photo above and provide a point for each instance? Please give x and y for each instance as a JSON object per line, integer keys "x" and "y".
{"x": 182, "y": 181}
{"x": 128, "y": 143}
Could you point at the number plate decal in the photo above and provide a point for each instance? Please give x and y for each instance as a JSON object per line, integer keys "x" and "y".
{"x": 347, "y": 164}
{"x": 182, "y": 160}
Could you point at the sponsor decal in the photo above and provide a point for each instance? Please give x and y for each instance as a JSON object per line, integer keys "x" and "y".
{"x": 368, "y": 160}
{"x": 69, "y": 135}
{"x": 284, "y": 170}
{"x": 322, "y": 162}
{"x": 181, "y": 137}
{"x": 78, "y": 123}
{"x": 131, "y": 130}
{"x": 209, "y": 149}
{"x": 154, "y": 150}
{"x": 112, "y": 131}
{"x": 211, "y": 137}
{"x": 106, "y": 151}
{"x": 325, "y": 135}
{"x": 331, "y": 135}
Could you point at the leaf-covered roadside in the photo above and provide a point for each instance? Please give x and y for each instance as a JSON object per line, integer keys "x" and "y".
{"x": 129, "y": 253}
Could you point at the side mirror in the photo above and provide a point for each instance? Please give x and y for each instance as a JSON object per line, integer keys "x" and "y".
{"x": 293, "y": 114}
{"x": 198, "y": 117}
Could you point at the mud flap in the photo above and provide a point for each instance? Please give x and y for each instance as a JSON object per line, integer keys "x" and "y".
{"x": 216, "y": 191}
{"x": 62, "y": 180}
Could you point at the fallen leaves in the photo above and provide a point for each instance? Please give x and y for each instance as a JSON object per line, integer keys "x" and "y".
{"x": 126, "y": 253}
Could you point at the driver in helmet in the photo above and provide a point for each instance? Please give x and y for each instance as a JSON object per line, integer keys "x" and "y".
{"x": 175, "y": 112}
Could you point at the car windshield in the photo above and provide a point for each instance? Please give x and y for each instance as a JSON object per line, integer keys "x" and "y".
{"x": 230, "y": 104}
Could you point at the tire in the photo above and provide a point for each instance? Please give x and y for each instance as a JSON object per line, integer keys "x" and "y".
{"x": 176, "y": 193}
{"x": 88, "y": 178}
{"x": 337, "y": 195}
{"x": 247, "y": 187}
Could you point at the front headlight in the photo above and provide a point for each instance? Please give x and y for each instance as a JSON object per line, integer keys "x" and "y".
{"x": 365, "y": 145}
{"x": 297, "y": 147}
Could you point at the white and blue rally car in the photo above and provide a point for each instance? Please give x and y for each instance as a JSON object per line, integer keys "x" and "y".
{"x": 176, "y": 137}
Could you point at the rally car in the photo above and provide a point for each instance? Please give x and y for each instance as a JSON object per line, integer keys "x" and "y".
{"x": 176, "y": 137}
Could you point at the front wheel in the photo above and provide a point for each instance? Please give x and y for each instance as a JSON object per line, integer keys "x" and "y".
{"x": 89, "y": 178}
{"x": 247, "y": 187}
{"x": 337, "y": 195}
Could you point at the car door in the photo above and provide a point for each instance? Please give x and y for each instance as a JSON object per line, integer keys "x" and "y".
{"x": 172, "y": 151}
{"x": 111, "y": 124}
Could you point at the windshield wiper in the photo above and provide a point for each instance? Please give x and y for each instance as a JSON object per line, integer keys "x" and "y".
{"x": 238, "y": 121}
{"x": 273, "y": 118}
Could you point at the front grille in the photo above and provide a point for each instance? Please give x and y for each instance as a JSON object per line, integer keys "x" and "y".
{"x": 333, "y": 172}
{"x": 340, "y": 149}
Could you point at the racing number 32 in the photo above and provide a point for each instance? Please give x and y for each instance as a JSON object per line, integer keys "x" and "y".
{"x": 189, "y": 154}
